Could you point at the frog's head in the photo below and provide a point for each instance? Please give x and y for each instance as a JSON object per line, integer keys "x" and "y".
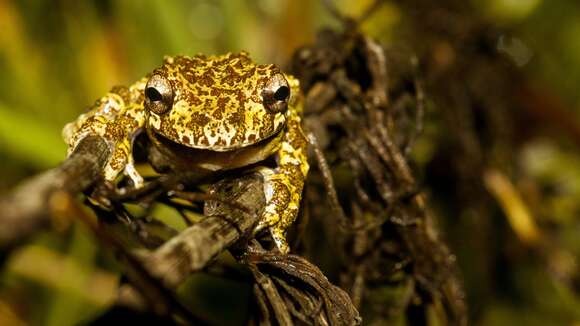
{"x": 220, "y": 103}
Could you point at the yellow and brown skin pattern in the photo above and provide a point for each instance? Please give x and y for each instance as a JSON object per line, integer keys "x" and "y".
{"x": 223, "y": 104}
{"x": 117, "y": 117}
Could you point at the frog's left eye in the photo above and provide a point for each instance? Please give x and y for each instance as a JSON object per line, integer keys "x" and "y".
{"x": 158, "y": 94}
{"x": 276, "y": 93}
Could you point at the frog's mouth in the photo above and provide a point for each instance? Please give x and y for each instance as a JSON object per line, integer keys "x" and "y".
{"x": 222, "y": 137}
{"x": 194, "y": 158}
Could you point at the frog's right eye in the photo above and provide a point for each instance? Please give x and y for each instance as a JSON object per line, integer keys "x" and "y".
{"x": 158, "y": 95}
{"x": 276, "y": 93}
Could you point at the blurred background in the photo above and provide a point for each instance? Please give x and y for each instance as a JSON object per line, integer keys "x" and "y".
{"x": 58, "y": 57}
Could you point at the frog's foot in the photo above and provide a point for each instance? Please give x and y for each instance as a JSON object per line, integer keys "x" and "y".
{"x": 122, "y": 162}
{"x": 132, "y": 173}
{"x": 281, "y": 206}
{"x": 278, "y": 230}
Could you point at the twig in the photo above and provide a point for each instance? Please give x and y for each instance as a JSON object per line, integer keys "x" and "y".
{"x": 329, "y": 182}
{"x": 160, "y": 299}
{"x": 196, "y": 246}
{"x": 28, "y": 208}
{"x": 295, "y": 286}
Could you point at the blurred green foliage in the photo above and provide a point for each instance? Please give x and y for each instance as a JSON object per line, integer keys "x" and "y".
{"x": 58, "y": 57}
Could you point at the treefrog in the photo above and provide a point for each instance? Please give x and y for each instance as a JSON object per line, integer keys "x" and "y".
{"x": 220, "y": 112}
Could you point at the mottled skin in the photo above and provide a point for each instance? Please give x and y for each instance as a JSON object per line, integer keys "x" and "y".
{"x": 229, "y": 105}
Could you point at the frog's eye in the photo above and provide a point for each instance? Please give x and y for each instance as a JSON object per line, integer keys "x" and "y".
{"x": 158, "y": 94}
{"x": 276, "y": 93}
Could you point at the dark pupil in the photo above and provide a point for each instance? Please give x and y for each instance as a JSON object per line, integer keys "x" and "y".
{"x": 153, "y": 95}
{"x": 282, "y": 93}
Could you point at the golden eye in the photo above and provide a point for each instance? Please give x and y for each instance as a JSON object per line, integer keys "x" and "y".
{"x": 276, "y": 93}
{"x": 158, "y": 94}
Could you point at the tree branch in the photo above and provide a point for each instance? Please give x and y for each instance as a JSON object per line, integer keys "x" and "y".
{"x": 224, "y": 224}
{"x": 28, "y": 208}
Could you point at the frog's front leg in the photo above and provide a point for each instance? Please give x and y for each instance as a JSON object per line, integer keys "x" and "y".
{"x": 283, "y": 185}
{"x": 117, "y": 117}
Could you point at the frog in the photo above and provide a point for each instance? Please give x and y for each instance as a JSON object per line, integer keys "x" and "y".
{"x": 221, "y": 112}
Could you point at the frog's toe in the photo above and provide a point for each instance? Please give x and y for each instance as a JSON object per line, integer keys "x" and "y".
{"x": 273, "y": 221}
{"x": 268, "y": 219}
{"x": 278, "y": 224}
{"x": 135, "y": 177}
{"x": 279, "y": 237}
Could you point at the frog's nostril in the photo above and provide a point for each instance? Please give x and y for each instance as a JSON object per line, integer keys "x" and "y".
{"x": 282, "y": 93}
{"x": 153, "y": 95}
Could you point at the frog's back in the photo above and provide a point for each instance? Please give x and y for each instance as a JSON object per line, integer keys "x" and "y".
{"x": 218, "y": 103}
